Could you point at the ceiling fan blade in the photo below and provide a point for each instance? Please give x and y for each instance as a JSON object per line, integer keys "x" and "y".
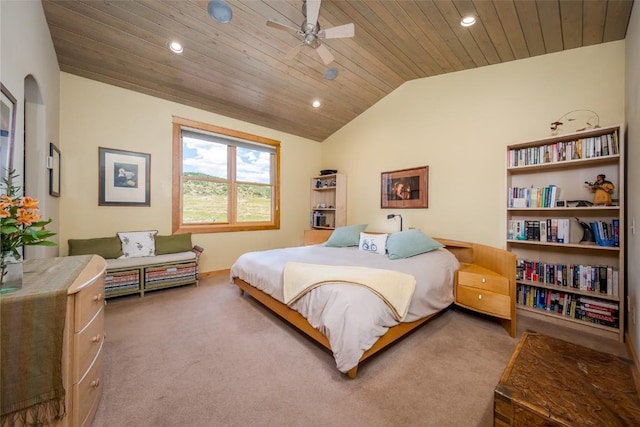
{"x": 313, "y": 10}
{"x": 341, "y": 31}
{"x": 294, "y": 51}
{"x": 280, "y": 26}
{"x": 324, "y": 53}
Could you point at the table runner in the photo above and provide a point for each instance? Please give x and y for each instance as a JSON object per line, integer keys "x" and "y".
{"x": 33, "y": 319}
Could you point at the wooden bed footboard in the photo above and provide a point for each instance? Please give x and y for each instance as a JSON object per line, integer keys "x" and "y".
{"x": 296, "y": 319}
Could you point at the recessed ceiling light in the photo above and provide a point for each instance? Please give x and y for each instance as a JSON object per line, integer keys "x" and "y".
{"x": 468, "y": 20}
{"x": 315, "y": 104}
{"x": 176, "y": 47}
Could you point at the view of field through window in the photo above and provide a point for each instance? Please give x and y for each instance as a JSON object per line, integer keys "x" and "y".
{"x": 206, "y": 185}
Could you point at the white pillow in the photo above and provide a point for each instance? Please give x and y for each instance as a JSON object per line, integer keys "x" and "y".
{"x": 374, "y": 243}
{"x": 137, "y": 244}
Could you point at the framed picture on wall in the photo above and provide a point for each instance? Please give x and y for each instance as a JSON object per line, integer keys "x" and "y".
{"x": 54, "y": 170}
{"x": 124, "y": 178}
{"x": 7, "y": 130}
{"x": 406, "y": 188}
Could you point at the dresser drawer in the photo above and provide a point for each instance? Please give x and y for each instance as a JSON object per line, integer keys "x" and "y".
{"x": 88, "y": 342}
{"x": 87, "y": 392}
{"x": 488, "y": 302}
{"x": 88, "y": 301}
{"x": 487, "y": 280}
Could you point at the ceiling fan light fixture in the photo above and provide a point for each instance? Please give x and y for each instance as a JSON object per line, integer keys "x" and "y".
{"x": 220, "y": 11}
{"x": 468, "y": 20}
{"x": 176, "y": 47}
{"x": 316, "y": 103}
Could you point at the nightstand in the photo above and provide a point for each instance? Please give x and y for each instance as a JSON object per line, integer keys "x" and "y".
{"x": 485, "y": 291}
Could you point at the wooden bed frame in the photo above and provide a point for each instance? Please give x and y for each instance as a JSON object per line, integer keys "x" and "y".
{"x": 489, "y": 257}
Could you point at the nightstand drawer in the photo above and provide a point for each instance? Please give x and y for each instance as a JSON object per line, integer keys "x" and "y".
{"x": 476, "y": 277}
{"x": 484, "y": 301}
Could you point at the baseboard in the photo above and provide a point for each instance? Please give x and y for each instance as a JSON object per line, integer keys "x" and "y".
{"x": 204, "y": 275}
{"x": 634, "y": 357}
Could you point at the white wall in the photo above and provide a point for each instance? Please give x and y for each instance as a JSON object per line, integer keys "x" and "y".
{"x": 96, "y": 115}
{"x": 459, "y": 124}
{"x": 26, "y": 53}
{"x": 633, "y": 182}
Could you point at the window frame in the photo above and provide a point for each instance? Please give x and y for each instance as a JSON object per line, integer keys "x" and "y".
{"x": 176, "y": 220}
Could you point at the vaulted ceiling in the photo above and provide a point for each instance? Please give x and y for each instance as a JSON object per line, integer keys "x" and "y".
{"x": 240, "y": 70}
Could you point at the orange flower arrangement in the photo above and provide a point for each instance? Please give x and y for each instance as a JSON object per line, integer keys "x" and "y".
{"x": 20, "y": 223}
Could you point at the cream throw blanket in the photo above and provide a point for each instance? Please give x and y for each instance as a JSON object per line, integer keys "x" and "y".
{"x": 393, "y": 287}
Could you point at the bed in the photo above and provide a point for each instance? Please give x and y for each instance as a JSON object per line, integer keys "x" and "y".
{"x": 352, "y": 321}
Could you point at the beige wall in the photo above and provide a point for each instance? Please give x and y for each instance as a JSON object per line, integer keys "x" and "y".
{"x": 94, "y": 114}
{"x": 459, "y": 125}
{"x": 633, "y": 182}
{"x": 29, "y": 69}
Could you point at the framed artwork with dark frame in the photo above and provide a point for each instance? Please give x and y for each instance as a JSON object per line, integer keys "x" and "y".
{"x": 124, "y": 178}
{"x": 405, "y": 188}
{"x": 54, "y": 170}
{"x": 8, "y": 105}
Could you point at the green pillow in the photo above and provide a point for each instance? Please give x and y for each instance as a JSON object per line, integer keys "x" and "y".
{"x": 173, "y": 244}
{"x": 106, "y": 247}
{"x": 411, "y": 242}
{"x": 346, "y": 236}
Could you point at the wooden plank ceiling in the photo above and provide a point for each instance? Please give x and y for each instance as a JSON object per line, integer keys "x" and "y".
{"x": 239, "y": 69}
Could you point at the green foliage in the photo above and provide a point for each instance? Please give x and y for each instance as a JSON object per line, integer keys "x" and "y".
{"x": 20, "y": 224}
{"x": 206, "y": 201}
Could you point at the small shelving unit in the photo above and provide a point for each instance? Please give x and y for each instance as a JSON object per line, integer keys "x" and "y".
{"x": 328, "y": 201}
{"x": 568, "y": 282}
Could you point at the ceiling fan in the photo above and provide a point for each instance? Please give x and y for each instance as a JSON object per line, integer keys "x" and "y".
{"x": 310, "y": 33}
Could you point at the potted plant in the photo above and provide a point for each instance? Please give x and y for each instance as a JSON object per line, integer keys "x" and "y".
{"x": 20, "y": 225}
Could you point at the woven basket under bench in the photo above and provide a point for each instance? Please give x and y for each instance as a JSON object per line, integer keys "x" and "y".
{"x": 139, "y": 275}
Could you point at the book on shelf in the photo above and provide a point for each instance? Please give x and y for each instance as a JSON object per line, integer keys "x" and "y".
{"x": 582, "y": 148}
{"x": 599, "y": 279}
{"x": 552, "y": 230}
{"x": 532, "y": 197}
{"x": 569, "y": 305}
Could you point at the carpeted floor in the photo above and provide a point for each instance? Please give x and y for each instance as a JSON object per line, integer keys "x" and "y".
{"x": 204, "y": 356}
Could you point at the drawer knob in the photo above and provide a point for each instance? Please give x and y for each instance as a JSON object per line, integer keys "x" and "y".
{"x": 98, "y": 297}
{"x": 95, "y": 383}
{"x": 484, "y": 280}
{"x": 96, "y": 338}
{"x": 479, "y": 296}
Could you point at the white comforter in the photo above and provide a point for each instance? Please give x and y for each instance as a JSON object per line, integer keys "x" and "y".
{"x": 352, "y": 317}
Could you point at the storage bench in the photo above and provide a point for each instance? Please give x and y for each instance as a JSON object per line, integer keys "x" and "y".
{"x": 138, "y": 275}
{"x": 550, "y": 382}
{"x": 162, "y": 261}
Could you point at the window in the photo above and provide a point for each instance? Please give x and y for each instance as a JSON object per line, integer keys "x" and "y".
{"x": 223, "y": 180}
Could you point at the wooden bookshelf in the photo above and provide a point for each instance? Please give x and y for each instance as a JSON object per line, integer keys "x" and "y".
{"x": 567, "y": 162}
{"x": 328, "y": 201}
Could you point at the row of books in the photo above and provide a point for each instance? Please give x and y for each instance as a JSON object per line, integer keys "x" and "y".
{"x": 552, "y": 230}
{"x": 601, "y": 279}
{"x": 583, "y": 148}
{"x": 532, "y": 197}
{"x": 606, "y": 233}
{"x": 574, "y": 306}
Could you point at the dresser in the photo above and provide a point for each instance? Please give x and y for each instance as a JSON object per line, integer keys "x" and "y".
{"x": 57, "y": 320}
{"x": 85, "y": 340}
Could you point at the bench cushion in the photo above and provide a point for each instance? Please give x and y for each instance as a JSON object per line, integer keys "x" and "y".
{"x": 150, "y": 260}
{"x": 106, "y": 247}
{"x": 172, "y": 244}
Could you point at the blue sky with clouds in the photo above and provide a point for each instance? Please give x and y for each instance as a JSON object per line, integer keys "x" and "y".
{"x": 211, "y": 159}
